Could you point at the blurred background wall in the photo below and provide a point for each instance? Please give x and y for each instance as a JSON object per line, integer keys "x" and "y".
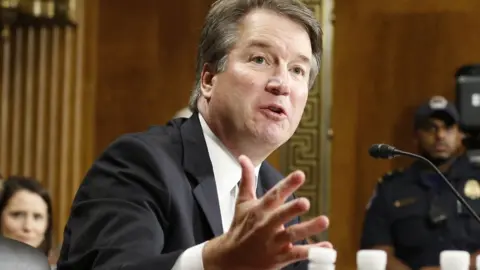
{"x": 130, "y": 64}
{"x": 389, "y": 57}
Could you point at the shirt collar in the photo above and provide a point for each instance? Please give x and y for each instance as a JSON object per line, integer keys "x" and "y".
{"x": 226, "y": 169}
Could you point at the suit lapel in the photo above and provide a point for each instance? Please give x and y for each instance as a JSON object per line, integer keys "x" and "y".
{"x": 260, "y": 188}
{"x": 267, "y": 178}
{"x": 206, "y": 195}
{"x": 197, "y": 164}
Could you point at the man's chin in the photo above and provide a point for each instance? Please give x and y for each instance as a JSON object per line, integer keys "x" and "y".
{"x": 439, "y": 158}
{"x": 272, "y": 133}
{"x": 441, "y": 155}
{"x": 272, "y": 138}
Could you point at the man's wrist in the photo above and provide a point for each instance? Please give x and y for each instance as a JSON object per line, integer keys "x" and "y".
{"x": 212, "y": 254}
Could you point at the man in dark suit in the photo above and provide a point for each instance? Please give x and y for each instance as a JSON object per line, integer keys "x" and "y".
{"x": 197, "y": 193}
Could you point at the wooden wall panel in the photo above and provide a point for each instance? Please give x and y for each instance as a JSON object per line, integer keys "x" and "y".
{"x": 146, "y": 63}
{"x": 389, "y": 57}
{"x": 44, "y": 115}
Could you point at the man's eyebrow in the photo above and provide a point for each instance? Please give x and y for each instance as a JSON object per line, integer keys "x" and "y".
{"x": 305, "y": 59}
{"x": 258, "y": 43}
{"x": 264, "y": 45}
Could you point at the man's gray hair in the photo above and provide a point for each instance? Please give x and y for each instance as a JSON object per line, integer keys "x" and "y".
{"x": 219, "y": 34}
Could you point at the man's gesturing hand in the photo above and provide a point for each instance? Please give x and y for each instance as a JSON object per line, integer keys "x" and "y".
{"x": 257, "y": 238}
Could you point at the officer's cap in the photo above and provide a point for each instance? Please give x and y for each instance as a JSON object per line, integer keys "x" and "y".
{"x": 437, "y": 107}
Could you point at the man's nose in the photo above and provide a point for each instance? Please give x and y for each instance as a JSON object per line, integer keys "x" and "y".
{"x": 278, "y": 85}
{"x": 441, "y": 133}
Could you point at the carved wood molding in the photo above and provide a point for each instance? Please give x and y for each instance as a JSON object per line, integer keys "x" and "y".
{"x": 308, "y": 149}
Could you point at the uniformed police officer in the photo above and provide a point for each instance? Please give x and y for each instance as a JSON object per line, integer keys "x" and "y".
{"x": 413, "y": 215}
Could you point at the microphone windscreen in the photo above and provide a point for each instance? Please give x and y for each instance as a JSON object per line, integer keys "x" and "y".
{"x": 374, "y": 150}
{"x": 381, "y": 151}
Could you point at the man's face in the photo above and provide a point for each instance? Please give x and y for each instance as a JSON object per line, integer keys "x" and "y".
{"x": 263, "y": 91}
{"x": 439, "y": 140}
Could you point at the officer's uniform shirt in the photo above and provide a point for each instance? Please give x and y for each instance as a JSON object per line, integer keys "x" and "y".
{"x": 415, "y": 212}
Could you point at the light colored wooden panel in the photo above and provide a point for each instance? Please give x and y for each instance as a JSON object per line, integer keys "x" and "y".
{"x": 41, "y": 113}
{"x": 18, "y": 94}
{"x": 54, "y": 114}
{"x": 80, "y": 94}
{"x": 28, "y": 120}
{"x": 46, "y": 109}
{"x": 65, "y": 165}
{"x": 5, "y": 105}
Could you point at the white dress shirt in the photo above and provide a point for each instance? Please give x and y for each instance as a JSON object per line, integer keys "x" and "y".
{"x": 227, "y": 173}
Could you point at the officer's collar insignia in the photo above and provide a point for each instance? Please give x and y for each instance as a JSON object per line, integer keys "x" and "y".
{"x": 404, "y": 202}
{"x": 472, "y": 189}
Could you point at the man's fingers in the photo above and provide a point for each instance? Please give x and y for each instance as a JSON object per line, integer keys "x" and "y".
{"x": 247, "y": 183}
{"x": 298, "y": 253}
{"x": 294, "y": 254}
{"x": 280, "y": 192}
{"x": 324, "y": 244}
{"x": 287, "y": 212}
{"x": 302, "y": 230}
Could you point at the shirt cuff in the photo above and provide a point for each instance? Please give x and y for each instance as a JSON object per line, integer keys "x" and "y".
{"x": 190, "y": 259}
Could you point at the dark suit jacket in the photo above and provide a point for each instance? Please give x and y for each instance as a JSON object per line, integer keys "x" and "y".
{"x": 146, "y": 199}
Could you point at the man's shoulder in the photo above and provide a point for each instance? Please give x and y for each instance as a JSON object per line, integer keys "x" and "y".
{"x": 156, "y": 141}
{"x": 386, "y": 184}
{"x": 391, "y": 177}
{"x": 157, "y": 136}
{"x": 143, "y": 156}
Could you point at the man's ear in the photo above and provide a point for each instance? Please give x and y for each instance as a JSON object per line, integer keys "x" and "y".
{"x": 206, "y": 81}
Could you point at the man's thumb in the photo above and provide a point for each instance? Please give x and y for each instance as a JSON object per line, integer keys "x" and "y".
{"x": 247, "y": 183}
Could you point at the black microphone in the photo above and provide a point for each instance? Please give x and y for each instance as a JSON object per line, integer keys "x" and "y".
{"x": 386, "y": 151}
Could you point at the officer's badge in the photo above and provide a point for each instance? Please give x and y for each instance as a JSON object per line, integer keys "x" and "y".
{"x": 438, "y": 102}
{"x": 472, "y": 189}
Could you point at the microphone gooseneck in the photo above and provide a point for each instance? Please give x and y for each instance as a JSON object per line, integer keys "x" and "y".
{"x": 386, "y": 151}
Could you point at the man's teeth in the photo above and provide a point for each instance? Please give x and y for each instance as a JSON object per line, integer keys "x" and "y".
{"x": 275, "y": 109}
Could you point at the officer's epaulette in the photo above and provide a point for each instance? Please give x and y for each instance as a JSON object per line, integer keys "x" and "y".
{"x": 390, "y": 175}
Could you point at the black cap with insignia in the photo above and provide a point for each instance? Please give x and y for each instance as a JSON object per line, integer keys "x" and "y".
{"x": 437, "y": 107}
